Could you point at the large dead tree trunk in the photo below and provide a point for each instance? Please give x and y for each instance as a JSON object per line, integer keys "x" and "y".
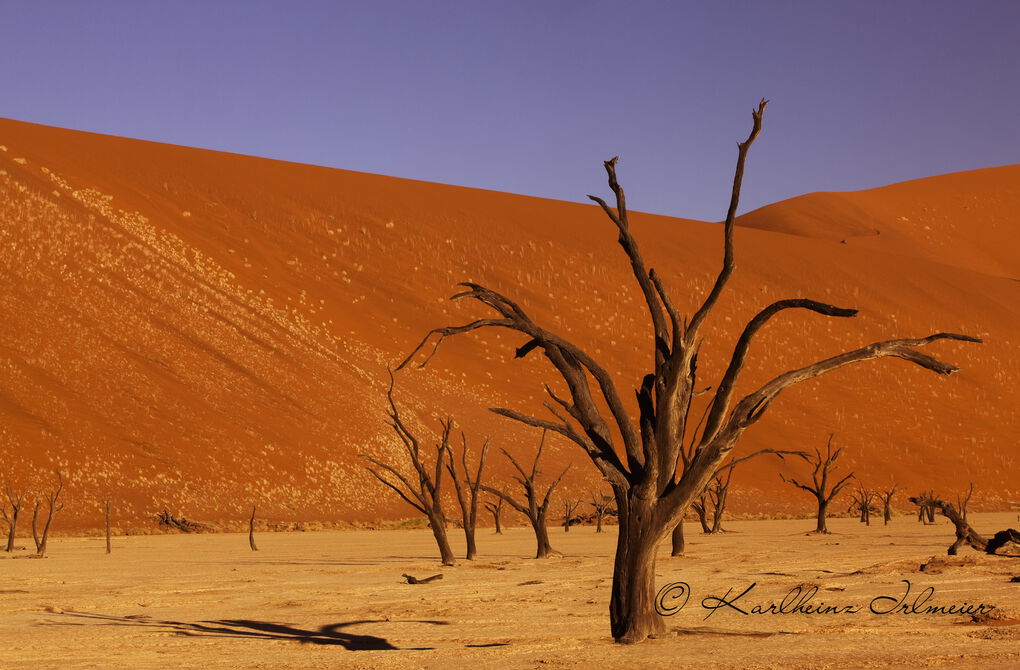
{"x": 52, "y": 507}
{"x": 15, "y": 500}
{"x": 496, "y": 509}
{"x": 535, "y": 505}
{"x": 678, "y": 543}
{"x": 820, "y": 487}
{"x": 652, "y": 491}
{"x": 468, "y": 501}
{"x": 965, "y": 534}
{"x": 425, "y": 494}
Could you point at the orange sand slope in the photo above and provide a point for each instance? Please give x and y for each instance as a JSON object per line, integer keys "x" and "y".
{"x": 204, "y": 331}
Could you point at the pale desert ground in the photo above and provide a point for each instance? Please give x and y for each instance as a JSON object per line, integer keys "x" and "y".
{"x": 335, "y": 599}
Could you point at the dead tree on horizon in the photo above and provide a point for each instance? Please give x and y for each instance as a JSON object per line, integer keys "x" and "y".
{"x": 535, "y": 506}
{"x": 251, "y": 530}
{"x": 106, "y": 516}
{"x": 16, "y": 501}
{"x": 719, "y": 489}
{"x": 496, "y": 510}
{"x": 886, "y": 497}
{"x": 602, "y": 504}
{"x": 468, "y": 504}
{"x": 925, "y": 511}
{"x": 962, "y": 502}
{"x": 861, "y": 504}
{"x": 965, "y": 534}
{"x": 652, "y": 485}
{"x": 52, "y": 507}
{"x": 426, "y": 495}
{"x": 570, "y": 506}
{"x": 819, "y": 486}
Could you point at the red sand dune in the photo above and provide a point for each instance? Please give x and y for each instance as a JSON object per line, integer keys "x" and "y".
{"x": 204, "y": 331}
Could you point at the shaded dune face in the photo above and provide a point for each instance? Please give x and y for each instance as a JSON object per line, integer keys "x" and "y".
{"x": 207, "y": 331}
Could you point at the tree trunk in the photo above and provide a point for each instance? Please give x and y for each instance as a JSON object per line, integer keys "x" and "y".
{"x": 679, "y": 543}
{"x": 703, "y": 518}
{"x": 495, "y": 517}
{"x": 886, "y": 515}
{"x": 469, "y": 537}
{"x": 251, "y": 530}
{"x": 35, "y": 531}
{"x": 822, "y": 509}
{"x": 598, "y": 522}
{"x": 12, "y": 530}
{"x": 543, "y": 546}
{"x": 632, "y": 615}
{"x": 438, "y": 523}
{"x": 107, "y": 505}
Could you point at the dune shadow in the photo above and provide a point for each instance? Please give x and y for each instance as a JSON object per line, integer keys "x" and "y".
{"x": 330, "y": 634}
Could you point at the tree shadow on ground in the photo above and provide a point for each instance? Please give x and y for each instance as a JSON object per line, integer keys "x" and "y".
{"x": 331, "y": 634}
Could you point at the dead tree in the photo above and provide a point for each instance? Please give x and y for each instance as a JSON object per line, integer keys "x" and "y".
{"x": 251, "y": 530}
{"x": 719, "y": 488}
{"x": 15, "y": 500}
{"x": 640, "y": 455}
{"x": 53, "y": 505}
{"x": 168, "y": 521}
{"x": 820, "y": 487}
{"x": 602, "y": 504}
{"x": 700, "y": 507}
{"x": 496, "y": 509}
{"x": 535, "y": 505}
{"x": 861, "y": 504}
{"x": 887, "y": 496}
{"x": 106, "y": 506}
{"x": 425, "y": 494}
{"x": 468, "y": 502}
{"x": 962, "y": 502}
{"x": 965, "y": 534}
{"x": 570, "y": 506}
{"x": 925, "y": 512}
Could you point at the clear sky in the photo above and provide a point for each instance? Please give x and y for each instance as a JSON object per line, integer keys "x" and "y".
{"x": 529, "y": 96}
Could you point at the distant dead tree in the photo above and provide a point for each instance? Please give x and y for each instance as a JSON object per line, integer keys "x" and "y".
{"x": 925, "y": 512}
{"x": 887, "y": 497}
{"x": 653, "y": 486}
{"x": 719, "y": 487}
{"x": 535, "y": 505}
{"x": 965, "y": 534}
{"x": 53, "y": 506}
{"x": 168, "y": 521}
{"x": 602, "y": 504}
{"x": 251, "y": 530}
{"x": 106, "y": 515}
{"x": 820, "y": 486}
{"x": 16, "y": 501}
{"x": 570, "y": 506}
{"x": 496, "y": 509}
{"x": 468, "y": 501}
{"x": 963, "y": 501}
{"x": 425, "y": 495}
{"x": 861, "y": 504}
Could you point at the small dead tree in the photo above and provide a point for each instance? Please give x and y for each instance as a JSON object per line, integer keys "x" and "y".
{"x": 53, "y": 505}
{"x": 106, "y": 515}
{"x": 963, "y": 501}
{"x": 820, "y": 487}
{"x": 602, "y": 504}
{"x": 251, "y": 530}
{"x": 535, "y": 505}
{"x": 468, "y": 501}
{"x": 925, "y": 511}
{"x": 15, "y": 500}
{"x": 496, "y": 510}
{"x": 861, "y": 504}
{"x": 719, "y": 488}
{"x": 570, "y": 506}
{"x": 965, "y": 534}
{"x": 640, "y": 455}
{"x": 887, "y": 497}
{"x": 425, "y": 494}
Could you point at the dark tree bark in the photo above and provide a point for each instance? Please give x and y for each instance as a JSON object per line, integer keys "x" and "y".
{"x": 496, "y": 509}
{"x": 425, "y": 495}
{"x": 862, "y": 504}
{"x": 887, "y": 497}
{"x": 965, "y": 534}
{"x": 15, "y": 500}
{"x": 700, "y": 507}
{"x": 677, "y": 541}
{"x": 468, "y": 501}
{"x": 535, "y": 505}
{"x": 106, "y": 507}
{"x": 819, "y": 486}
{"x": 52, "y": 507}
{"x": 570, "y": 506}
{"x": 962, "y": 502}
{"x": 652, "y": 492}
{"x": 602, "y": 504}
{"x": 251, "y": 530}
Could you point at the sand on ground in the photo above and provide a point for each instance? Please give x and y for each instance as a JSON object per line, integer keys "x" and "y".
{"x": 336, "y": 599}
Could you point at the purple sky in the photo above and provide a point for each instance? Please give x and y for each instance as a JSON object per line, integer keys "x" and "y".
{"x": 531, "y": 96}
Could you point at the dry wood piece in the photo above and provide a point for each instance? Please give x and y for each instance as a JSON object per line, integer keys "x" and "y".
{"x": 535, "y": 505}
{"x": 424, "y": 580}
{"x": 641, "y": 456}
{"x": 820, "y": 486}
{"x": 468, "y": 501}
{"x": 168, "y": 521}
{"x": 426, "y": 495}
